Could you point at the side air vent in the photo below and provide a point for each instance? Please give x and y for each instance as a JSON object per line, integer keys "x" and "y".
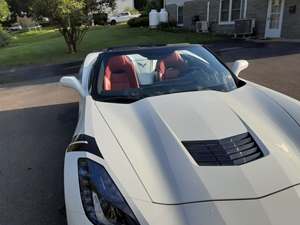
{"x": 231, "y": 151}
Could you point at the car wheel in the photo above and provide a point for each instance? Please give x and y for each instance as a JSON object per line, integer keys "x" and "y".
{"x": 113, "y": 22}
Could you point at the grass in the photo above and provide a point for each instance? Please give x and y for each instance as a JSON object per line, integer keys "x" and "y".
{"x": 47, "y": 46}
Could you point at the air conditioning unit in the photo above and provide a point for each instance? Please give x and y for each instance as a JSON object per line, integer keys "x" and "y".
{"x": 244, "y": 26}
{"x": 202, "y": 26}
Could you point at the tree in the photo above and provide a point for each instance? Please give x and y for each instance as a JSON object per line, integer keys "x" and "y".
{"x": 4, "y": 10}
{"x": 140, "y": 4}
{"x": 4, "y": 14}
{"x": 95, "y": 5}
{"x": 72, "y": 20}
{"x": 70, "y": 16}
{"x": 19, "y": 6}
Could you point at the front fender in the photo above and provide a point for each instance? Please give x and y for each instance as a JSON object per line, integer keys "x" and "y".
{"x": 290, "y": 105}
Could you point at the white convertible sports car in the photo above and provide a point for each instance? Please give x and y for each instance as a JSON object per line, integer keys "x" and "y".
{"x": 168, "y": 135}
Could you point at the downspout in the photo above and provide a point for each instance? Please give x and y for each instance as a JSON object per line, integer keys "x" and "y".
{"x": 245, "y": 9}
{"x": 208, "y": 11}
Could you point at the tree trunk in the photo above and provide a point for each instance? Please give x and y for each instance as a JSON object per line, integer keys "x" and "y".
{"x": 73, "y": 36}
{"x": 70, "y": 49}
{"x": 74, "y": 45}
{"x": 64, "y": 33}
{"x": 68, "y": 40}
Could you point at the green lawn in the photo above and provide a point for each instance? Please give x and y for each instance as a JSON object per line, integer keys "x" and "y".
{"x": 47, "y": 46}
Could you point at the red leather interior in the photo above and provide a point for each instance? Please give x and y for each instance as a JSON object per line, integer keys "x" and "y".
{"x": 120, "y": 74}
{"x": 170, "y": 67}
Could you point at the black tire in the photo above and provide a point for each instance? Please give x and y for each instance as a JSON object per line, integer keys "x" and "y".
{"x": 113, "y": 22}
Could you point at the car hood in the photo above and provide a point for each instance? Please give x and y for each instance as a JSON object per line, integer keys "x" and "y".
{"x": 151, "y": 132}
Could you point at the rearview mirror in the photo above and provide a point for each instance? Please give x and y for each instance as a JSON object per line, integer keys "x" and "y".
{"x": 238, "y": 66}
{"x": 72, "y": 82}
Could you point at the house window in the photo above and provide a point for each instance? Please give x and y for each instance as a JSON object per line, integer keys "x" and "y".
{"x": 231, "y": 10}
{"x": 225, "y": 7}
{"x": 179, "y": 15}
{"x": 236, "y": 9}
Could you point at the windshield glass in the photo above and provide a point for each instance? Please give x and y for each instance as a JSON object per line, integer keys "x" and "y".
{"x": 126, "y": 76}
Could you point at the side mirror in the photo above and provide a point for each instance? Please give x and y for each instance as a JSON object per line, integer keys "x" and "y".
{"x": 238, "y": 66}
{"x": 72, "y": 82}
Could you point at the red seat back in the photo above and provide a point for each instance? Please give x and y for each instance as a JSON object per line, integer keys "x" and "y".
{"x": 120, "y": 74}
{"x": 170, "y": 67}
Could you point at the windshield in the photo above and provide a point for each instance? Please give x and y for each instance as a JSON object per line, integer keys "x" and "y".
{"x": 128, "y": 76}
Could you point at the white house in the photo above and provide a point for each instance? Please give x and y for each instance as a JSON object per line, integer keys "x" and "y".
{"x": 121, "y": 5}
{"x": 273, "y": 18}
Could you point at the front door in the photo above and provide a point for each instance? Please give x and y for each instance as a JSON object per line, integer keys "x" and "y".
{"x": 274, "y": 18}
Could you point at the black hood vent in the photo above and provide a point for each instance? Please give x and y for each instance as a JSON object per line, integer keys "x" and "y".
{"x": 233, "y": 151}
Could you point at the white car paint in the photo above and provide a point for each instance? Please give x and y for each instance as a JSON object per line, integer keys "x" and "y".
{"x": 15, "y": 27}
{"x": 142, "y": 151}
{"x": 160, "y": 125}
{"x": 121, "y": 17}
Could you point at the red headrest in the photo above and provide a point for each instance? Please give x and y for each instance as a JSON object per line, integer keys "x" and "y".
{"x": 171, "y": 66}
{"x": 174, "y": 60}
{"x": 117, "y": 63}
{"x": 120, "y": 74}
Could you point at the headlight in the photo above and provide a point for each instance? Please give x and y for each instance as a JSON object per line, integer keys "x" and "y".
{"x": 102, "y": 201}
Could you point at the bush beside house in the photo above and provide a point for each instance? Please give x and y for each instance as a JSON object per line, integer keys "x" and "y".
{"x": 100, "y": 18}
{"x": 4, "y": 37}
{"x": 4, "y": 14}
{"x": 142, "y": 21}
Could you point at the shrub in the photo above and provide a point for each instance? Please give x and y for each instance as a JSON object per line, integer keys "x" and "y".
{"x": 173, "y": 23}
{"x": 138, "y": 22}
{"x": 168, "y": 25}
{"x": 164, "y": 26}
{"x": 171, "y": 27}
{"x": 4, "y": 37}
{"x": 100, "y": 19}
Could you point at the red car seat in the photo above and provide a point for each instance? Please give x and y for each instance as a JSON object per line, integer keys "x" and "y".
{"x": 120, "y": 74}
{"x": 170, "y": 67}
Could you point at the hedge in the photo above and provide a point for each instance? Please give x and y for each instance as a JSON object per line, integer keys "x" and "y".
{"x": 100, "y": 19}
{"x": 4, "y": 37}
{"x": 138, "y": 22}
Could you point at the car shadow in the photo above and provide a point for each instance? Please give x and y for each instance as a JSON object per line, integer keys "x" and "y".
{"x": 33, "y": 143}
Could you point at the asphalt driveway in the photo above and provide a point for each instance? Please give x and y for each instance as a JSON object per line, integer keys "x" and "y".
{"x": 274, "y": 65}
{"x": 37, "y": 122}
